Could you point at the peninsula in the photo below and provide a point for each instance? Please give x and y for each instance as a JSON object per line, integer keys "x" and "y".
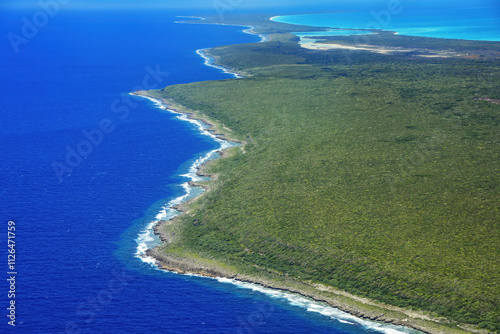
{"x": 367, "y": 175}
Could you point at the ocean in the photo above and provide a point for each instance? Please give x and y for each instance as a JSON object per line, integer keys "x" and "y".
{"x": 469, "y": 20}
{"x": 87, "y": 168}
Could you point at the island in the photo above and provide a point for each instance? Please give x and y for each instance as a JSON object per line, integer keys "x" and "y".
{"x": 366, "y": 174}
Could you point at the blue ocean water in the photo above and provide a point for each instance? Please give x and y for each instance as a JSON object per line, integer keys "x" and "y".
{"x": 85, "y": 168}
{"x": 471, "y": 20}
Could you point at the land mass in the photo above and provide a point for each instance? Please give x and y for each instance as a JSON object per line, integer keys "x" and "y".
{"x": 367, "y": 180}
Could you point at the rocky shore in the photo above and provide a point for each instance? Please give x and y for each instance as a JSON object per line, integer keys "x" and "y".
{"x": 357, "y": 306}
{"x": 194, "y": 264}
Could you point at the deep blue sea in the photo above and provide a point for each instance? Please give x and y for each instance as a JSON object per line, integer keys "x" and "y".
{"x": 85, "y": 168}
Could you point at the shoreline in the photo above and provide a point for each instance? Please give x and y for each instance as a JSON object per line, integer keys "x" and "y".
{"x": 212, "y": 61}
{"x": 178, "y": 205}
{"x": 335, "y": 299}
{"x": 174, "y": 207}
{"x": 191, "y": 264}
{"x": 194, "y": 265}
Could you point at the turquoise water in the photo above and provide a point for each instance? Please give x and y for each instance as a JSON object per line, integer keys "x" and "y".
{"x": 471, "y": 20}
{"x": 310, "y": 37}
{"x": 333, "y": 32}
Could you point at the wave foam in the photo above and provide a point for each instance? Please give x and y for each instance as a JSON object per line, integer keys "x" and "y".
{"x": 322, "y": 308}
{"x": 209, "y": 61}
{"x": 146, "y": 238}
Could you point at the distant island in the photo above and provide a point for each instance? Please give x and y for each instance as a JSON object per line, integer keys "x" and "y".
{"x": 367, "y": 175}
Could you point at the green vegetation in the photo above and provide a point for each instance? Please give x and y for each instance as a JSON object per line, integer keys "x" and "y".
{"x": 376, "y": 174}
{"x": 261, "y": 22}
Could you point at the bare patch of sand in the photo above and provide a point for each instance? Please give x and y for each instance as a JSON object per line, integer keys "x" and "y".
{"x": 377, "y": 49}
